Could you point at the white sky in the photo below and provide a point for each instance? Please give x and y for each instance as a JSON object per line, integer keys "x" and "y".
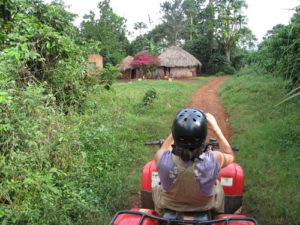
{"x": 262, "y": 14}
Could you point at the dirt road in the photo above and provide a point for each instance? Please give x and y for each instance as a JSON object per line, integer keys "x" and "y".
{"x": 206, "y": 98}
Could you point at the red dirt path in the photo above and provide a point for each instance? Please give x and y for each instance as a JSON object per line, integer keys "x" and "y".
{"x": 206, "y": 98}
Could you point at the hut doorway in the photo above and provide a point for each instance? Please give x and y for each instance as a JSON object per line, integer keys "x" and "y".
{"x": 167, "y": 71}
{"x": 198, "y": 71}
{"x": 133, "y": 74}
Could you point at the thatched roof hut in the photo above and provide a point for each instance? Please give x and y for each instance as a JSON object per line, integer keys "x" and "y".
{"x": 177, "y": 57}
{"x": 126, "y": 69}
{"x": 125, "y": 64}
{"x": 178, "y": 63}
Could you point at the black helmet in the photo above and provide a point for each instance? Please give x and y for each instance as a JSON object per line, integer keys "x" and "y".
{"x": 189, "y": 128}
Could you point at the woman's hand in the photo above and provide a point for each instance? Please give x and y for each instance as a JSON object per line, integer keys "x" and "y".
{"x": 225, "y": 156}
{"x": 212, "y": 123}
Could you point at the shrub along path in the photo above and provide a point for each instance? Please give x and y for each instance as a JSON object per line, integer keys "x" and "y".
{"x": 206, "y": 98}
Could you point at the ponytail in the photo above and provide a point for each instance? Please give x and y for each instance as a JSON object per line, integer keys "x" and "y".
{"x": 188, "y": 154}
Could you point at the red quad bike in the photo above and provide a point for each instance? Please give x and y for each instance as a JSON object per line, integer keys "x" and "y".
{"x": 231, "y": 179}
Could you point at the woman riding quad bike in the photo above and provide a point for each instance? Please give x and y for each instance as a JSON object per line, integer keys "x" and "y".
{"x": 188, "y": 172}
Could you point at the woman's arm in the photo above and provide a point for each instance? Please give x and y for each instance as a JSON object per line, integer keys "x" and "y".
{"x": 167, "y": 145}
{"x": 225, "y": 156}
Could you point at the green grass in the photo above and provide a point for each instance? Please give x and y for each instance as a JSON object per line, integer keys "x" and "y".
{"x": 268, "y": 138}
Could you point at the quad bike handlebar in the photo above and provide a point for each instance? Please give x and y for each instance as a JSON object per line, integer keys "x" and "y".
{"x": 159, "y": 142}
{"x": 210, "y": 145}
{"x": 214, "y": 144}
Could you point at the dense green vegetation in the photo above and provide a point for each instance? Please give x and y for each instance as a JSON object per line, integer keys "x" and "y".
{"x": 78, "y": 168}
{"x": 279, "y": 52}
{"x": 44, "y": 86}
{"x": 268, "y": 136}
{"x": 110, "y": 30}
{"x": 40, "y": 46}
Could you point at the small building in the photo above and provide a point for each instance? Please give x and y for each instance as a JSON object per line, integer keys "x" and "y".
{"x": 128, "y": 72}
{"x": 178, "y": 63}
{"x": 95, "y": 60}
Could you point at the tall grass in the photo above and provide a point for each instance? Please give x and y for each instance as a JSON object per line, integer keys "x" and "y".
{"x": 268, "y": 136}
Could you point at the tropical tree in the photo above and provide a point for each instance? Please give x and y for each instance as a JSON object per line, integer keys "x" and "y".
{"x": 140, "y": 43}
{"x": 207, "y": 27}
{"x": 110, "y": 30}
{"x": 154, "y": 48}
{"x": 212, "y": 31}
{"x": 205, "y": 50}
{"x": 173, "y": 20}
{"x": 140, "y": 26}
{"x": 230, "y": 22}
{"x": 145, "y": 43}
{"x": 193, "y": 17}
{"x": 247, "y": 39}
{"x": 181, "y": 20}
{"x": 273, "y": 31}
{"x": 279, "y": 52}
{"x": 159, "y": 34}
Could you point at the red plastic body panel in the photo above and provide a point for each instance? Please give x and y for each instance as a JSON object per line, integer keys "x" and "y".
{"x": 237, "y": 222}
{"x": 233, "y": 174}
{"x": 129, "y": 219}
{"x": 147, "y": 175}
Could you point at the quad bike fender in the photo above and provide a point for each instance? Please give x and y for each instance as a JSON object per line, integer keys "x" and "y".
{"x": 235, "y": 222}
{"x": 134, "y": 219}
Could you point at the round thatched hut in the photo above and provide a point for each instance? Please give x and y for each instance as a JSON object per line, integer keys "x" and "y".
{"x": 178, "y": 63}
{"x": 126, "y": 69}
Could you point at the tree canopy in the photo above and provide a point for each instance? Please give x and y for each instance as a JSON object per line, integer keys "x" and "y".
{"x": 109, "y": 29}
{"x": 279, "y": 52}
{"x": 219, "y": 26}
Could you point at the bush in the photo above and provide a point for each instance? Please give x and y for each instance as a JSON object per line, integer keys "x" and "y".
{"x": 229, "y": 69}
{"x": 219, "y": 74}
{"x": 150, "y": 95}
{"x": 108, "y": 75}
{"x": 145, "y": 62}
{"x": 216, "y": 64}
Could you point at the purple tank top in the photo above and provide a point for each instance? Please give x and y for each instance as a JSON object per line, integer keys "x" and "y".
{"x": 206, "y": 171}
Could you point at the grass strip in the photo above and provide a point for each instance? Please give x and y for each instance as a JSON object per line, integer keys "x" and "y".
{"x": 268, "y": 137}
